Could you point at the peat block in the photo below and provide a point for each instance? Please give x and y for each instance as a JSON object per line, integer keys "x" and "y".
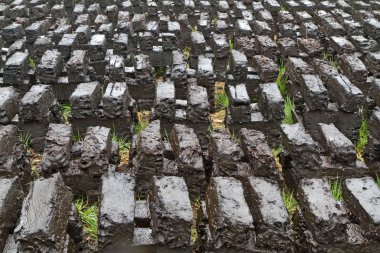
{"x": 10, "y": 205}
{"x": 44, "y": 216}
{"x": 96, "y": 150}
{"x": 269, "y": 213}
{"x": 341, "y": 149}
{"x": 258, "y": 153}
{"x": 9, "y": 104}
{"x": 362, "y": 196}
{"x": 188, "y": 154}
{"x": 231, "y": 222}
{"x": 326, "y": 217}
{"x": 171, "y": 212}
{"x": 117, "y": 210}
{"x": 57, "y": 152}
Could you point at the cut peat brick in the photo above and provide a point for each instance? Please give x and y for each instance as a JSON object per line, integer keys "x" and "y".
{"x": 231, "y": 222}
{"x": 362, "y": 196}
{"x": 171, "y": 212}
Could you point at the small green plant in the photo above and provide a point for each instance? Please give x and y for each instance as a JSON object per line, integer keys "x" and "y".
{"x": 32, "y": 62}
{"x": 282, "y": 79}
{"x": 194, "y": 28}
{"x": 196, "y": 204}
{"x": 336, "y": 189}
{"x": 25, "y": 138}
{"x": 235, "y": 136}
{"x": 378, "y": 181}
{"x": 231, "y": 43}
{"x": 197, "y": 201}
{"x": 186, "y": 51}
{"x": 363, "y": 138}
{"x": 289, "y": 201}
{"x": 132, "y": 58}
{"x": 222, "y": 100}
{"x": 282, "y": 8}
{"x": 66, "y": 111}
{"x": 166, "y": 137}
{"x": 159, "y": 72}
{"x": 288, "y": 110}
{"x": 213, "y": 21}
{"x": 89, "y": 216}
{"x": 123, "y": 144}
{"x": 36, "y": 173}
{"x": 208, "y": 131}
{"x": 139, "y": 127}
{"x": 276, "y": 151}
{"x": 275, "y": 39}
{"x": 77, "y": 137}
{"x": 330, "y": 58}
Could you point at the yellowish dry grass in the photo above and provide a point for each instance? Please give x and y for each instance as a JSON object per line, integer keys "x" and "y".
{"x": 35, "y": 160}
{"x": 196, "y": 204}
{"x": 124, "y": 157}
{"x": 217, "y": 118}
{"x": 143, "y": 116}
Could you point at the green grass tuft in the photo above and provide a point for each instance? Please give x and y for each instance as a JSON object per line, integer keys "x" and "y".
{"x": 159, "y": 72}
{"x": 336, "y": 189}
{"x": 288, "y": 109}
{"x": 89, "y": 216}
{"x": 194, "y": 28}
{"x": 36, "y": 173}
{"x": 77, "y": 137}
{"x": 289, "y": 201}
{"x": 282, "y": 79}
{"x": 363, "y": 138}
{"x": 378, "y": 181}
{"x": 196, "y": 204}
{"x": 186, "y": 51}
{"x": 139, "y": 127}
{"x": 123, "y": 144}
{"x": 276, "y": 151}
{"x": 231, "y": 43}
{"x": 32, "y": 62}
{"x": 282, "y": 8}
{"x": 66, "y": 111}
{"x": 213, "y": 21}
{"x": 235, "y": 136}
{"x": 25, "y": 138}
{"x": 330, "y": 58}
{"x": 222, "y": 100}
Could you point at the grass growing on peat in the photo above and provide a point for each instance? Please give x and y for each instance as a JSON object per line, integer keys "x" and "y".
{"x": 77, "y": 137}
{"x": 363, "y": 138}
{"x": 330, "y": 58}
{"x": 124, "y": 146}
{"x": 25, "y": 138}
{"x": 142, "y": 122}
{"x": 196, "y": 204}
{"x": 159, "y": 72}
{"x": 288, "y": 110}
{"x": 222, "y": 100}
{"x": 336, "y": 189}
{"x": 289, "y": 201}
{"x": 89, "y": 216}
{"x": 32, "y": 63}
{"x": 231, "y": 44}
{"x": 282, "y": 79}
{"x": 65, "y": 111}
{"x": 276, "y": 152}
